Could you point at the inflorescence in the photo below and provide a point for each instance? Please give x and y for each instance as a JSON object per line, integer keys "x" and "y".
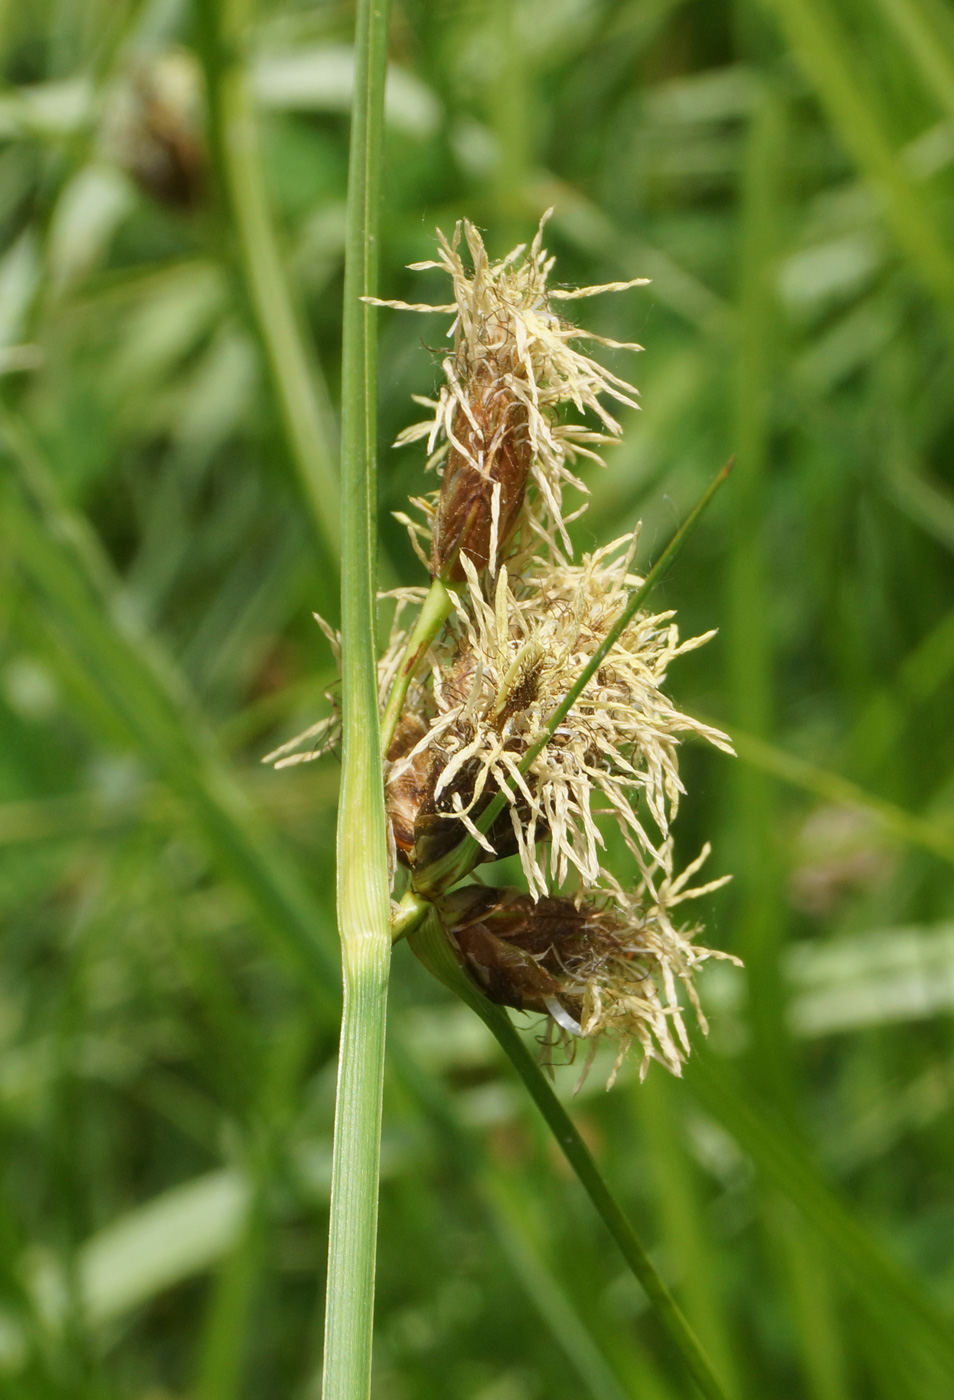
{"x": 521, "y": 623}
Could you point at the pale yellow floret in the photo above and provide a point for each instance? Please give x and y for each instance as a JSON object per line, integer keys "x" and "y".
{"x": 633, "y": 995}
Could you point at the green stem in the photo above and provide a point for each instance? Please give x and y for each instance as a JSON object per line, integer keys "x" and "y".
{"x": 411, "y": 912}
{"x": 430, "y": 944}
{"x": 462, "y": 859}
{"x": 306, "y": 416}
{"x": 433, "y": 615}
{"x": 364, "y": 916}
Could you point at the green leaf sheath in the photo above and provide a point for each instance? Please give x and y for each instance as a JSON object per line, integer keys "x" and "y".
{"x": 362, "y": 879}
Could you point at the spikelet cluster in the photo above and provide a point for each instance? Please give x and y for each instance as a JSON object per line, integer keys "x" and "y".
{"x": 497, "y": 425}
{"x": 518, "y": 406}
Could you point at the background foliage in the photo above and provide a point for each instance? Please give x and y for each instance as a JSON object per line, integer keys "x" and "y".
{"x": 168, "y": 1001}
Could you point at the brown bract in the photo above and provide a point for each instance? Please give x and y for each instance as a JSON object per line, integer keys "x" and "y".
{"x": 424, "y": 823}
{"x": 407, "y": 786}
{"x": 485, "y": 477}
{"x": 517, "y": 949}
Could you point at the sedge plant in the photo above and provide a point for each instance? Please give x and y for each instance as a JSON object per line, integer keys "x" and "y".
{"x": 777, "y": 244}
{"x": 524, "y": 700}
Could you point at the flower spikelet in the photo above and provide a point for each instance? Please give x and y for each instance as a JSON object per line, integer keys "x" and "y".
{"x": 516, "y": 656}
{"x": 496, "y": 423}
{"x": 607, "y": 962}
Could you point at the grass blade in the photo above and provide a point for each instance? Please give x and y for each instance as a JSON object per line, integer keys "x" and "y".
{"x": 65, "y": 565}
{"x": 832, "y": 787}
{"x": 299, "y": 392}
{"x": 915, "y": 1323}
{"x": 927, "y": 47}
{"x": 812, "y": 31}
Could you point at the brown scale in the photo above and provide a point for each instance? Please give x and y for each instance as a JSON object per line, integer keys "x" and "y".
{"x": 424, "y": 829}
{"x": 405, "y": 792}
{"x": 520, "y": 696}
{"x": 516, "y": 949}
{"x": 436, "y": 833}
{"x": 501, "y": 442}
{"x": 459, "y": 678}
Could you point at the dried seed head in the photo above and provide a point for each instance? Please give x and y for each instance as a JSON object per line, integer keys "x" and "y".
{"x": 153, "y": 125}
{"x": 496, "y": 423}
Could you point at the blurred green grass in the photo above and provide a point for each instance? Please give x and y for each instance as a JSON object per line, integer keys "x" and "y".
{"x": 168, "y": 997}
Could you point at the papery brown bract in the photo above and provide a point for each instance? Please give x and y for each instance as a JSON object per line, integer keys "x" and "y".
{"x": 407, "y": 785}
{"x": 518, "y": 950}
{"x": 426, "y": 826}
{"x": 484, "y": 479}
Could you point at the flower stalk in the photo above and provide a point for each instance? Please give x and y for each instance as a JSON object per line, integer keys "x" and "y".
{"x": 434, "y": 613}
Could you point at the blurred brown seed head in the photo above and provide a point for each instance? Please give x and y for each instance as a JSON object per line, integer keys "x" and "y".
{"x": 154, "y": 130}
